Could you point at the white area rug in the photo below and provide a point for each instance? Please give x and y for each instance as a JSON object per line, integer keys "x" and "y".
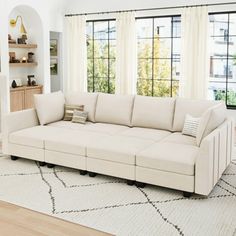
{"x": 108, "y": 204}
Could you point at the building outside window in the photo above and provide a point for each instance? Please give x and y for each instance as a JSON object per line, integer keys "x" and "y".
{"x": 222, "y": 85}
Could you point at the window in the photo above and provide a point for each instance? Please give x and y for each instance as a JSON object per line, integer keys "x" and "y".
{"x": 222, "y": 84}
{"x": 158, "y": 56}
{"x": 101, "y": 43}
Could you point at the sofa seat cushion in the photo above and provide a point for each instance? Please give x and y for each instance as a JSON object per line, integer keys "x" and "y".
{"x": 145, "y": 133}
{"x": 117, "y": 149}
{"x": 73, "y": 142}
{"x": 104, "y": 128}
{"x": 34, "y": 136}
{"x": 181, "y": 139}
{"x": 170, "y": 157}
{"x": 69, "y": 125}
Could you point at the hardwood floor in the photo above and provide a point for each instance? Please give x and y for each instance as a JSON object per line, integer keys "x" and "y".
{"x": 15, "y": 220}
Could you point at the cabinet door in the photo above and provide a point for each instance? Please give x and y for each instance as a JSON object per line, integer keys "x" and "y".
{"x": 29, "y": 97}
{"x": 17, "y": 100}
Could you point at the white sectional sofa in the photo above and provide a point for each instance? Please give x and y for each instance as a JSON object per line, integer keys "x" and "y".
{"x": 132, "y": 137}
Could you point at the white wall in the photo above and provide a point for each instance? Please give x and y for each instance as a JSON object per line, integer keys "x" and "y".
{"x": 81, "y": 6}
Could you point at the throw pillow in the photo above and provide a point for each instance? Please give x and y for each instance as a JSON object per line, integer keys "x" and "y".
{"x": 191, "y": 125}
{"x": 69, "y": 111}
{"x": 80, "y": 117}
{"x": 49, "y": 107}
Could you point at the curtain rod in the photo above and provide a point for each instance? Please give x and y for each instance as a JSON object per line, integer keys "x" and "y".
{"x": 150, "y": 9}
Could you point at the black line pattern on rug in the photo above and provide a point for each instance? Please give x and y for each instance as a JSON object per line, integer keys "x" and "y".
{"x": 161, "y": 214}
{"x": 233, "y": 194}
{"x": 85, "y": 185}
{"x": 227, "y": 183}
{"x": 50, "y": 189}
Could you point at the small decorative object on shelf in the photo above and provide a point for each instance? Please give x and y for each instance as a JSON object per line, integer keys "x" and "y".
{"x": 13, "y": 85}
{"x": 30, "y": 57}
{"x": 31, "y": 80}
{"x": 12, "y": 57}
{"x": 22, "y": 40}
{"x": 24, "y": 60}
{"x": 10, "y": 40}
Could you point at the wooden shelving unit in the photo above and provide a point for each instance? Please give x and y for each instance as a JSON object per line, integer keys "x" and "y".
{"x": 23, "y": 64}
{"x": 13, "y": 45}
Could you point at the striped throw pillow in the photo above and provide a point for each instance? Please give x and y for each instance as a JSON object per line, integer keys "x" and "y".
{"x": 69, "y": 111}
{"x": 80, "y": 117}
{"x": 191, "y": 125}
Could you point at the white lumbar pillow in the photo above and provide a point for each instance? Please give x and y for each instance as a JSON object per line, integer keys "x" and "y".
{"x": 49, "y": 107}
{"x": 191, "y": 125}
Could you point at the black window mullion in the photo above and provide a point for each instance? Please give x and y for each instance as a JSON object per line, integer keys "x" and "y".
{"x": 153, "y": 48}
{"x": 93, "y": 62}
{"x": 171, "y": 61}
{"x": 108, "y": 49}
{"x": 227, "y": 63}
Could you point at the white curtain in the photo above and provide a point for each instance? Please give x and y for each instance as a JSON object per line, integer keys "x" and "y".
{"x": 75, "y": 78}
{"x": 194, "y": 53}
{"x": 126, "y": 53}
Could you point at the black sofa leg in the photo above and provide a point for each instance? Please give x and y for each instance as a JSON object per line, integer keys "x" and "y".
{"x": 140, "y": 184}
{"x": 187, "y": 194}
{"x": 83, "y": 172}
{"x": 130, "y": 182}
{"x": 14, "y": 158}
{"x": 50, "y": 166}
{"x": 42, "y": 163}
{"x": 92, "y": 174}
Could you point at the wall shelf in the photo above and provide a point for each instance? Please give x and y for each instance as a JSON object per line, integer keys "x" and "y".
{"x": 13, "y": 45}
{"x": 23, "y": 64}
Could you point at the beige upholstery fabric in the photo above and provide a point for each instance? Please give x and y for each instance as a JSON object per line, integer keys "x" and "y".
{"x": 27, "y": 152}
{"x": 180, "y": 138}
{"x": 73, "y": 142}
{"x": 165, "y": 179}
{"x": 104, "y": 128}
{"x": 49, "y": 107}
{"x": 117, "y": 149}
{"x": 171, "y": 157}
{"x": 211, "y": 119}
{"x": 114, "y": 109}
{"x": 145, "y": 133}
{"x": 89, "y": 100}
{"x": 65, "y": 159}
{"x": 34, "y": 136}
{"x": 152, "y": 112}
{"x": 111, "y": 168}
{"x": 70, "y": 125}
{"x": 194, "y": 108}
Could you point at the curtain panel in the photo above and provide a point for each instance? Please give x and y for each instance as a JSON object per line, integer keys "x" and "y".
{"x": 75, "y": 54}
{"x": 126, "y": 53}
{"x": 194, "y": 53}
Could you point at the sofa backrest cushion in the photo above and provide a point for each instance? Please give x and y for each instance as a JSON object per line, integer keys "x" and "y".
{"x": 195, "y": 108}
{"x": 153, "y": 112}
{"x": 49, "y": 107}
{"x": 210, "y": 120}
{"x": 114, "y": 109}
{"x": 89, "y": 100}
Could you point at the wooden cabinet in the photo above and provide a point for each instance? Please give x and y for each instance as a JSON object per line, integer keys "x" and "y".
{"x": 23, "y": 97}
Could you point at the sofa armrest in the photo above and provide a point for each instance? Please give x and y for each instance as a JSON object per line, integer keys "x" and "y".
{"x": 214, "y": 156}
{"x": 15, "y": 121}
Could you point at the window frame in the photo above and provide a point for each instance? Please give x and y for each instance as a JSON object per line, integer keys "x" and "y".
{"x": 109, "y": 59}
{"x": 172, "y": 58}
{"x": 230, "y": 107}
